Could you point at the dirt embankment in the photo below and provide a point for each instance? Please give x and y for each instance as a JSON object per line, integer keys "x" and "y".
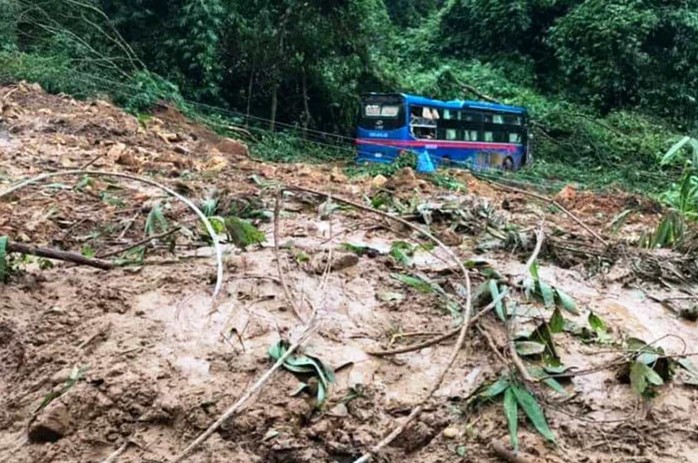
{"x": 93, "y": 361}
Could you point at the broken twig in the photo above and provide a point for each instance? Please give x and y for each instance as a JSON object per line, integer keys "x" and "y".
{"x": 56, "y": 254}
{"x": 507, "y": 455}
{"x": 442, "y": 337}
{"x": 139, "y": 243}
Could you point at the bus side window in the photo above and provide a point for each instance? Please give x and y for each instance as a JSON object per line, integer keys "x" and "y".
{"x": 514, "y": 137}
{"x": 470, "y": 135}
{"x": 498, "y": 119}
{"x": 451, "y": 134}
{"x": 488, "y": 136}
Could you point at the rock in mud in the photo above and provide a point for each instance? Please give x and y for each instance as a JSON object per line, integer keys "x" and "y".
{"x": 415, "y": 437}
{"x": 379, "y": 181}
{"x": 52, "y": 424}
{"x": 339, "y": 262}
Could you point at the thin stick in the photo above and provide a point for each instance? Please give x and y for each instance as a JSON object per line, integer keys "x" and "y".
{"x": 189, "y": 203}
{"x": 139, "y": 243}
{"x": 112, "y": 458}
{"x": 554, "y": 203}
{"x": 66, "y": 256}
{"x": 282, "y": 278}
{"x": 442, "y": 337}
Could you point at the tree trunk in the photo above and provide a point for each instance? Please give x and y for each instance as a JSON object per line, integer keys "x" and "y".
{"x": 306, "y": 106}
{"x": 249, "y": 96}
{"x": 274, "y": 105}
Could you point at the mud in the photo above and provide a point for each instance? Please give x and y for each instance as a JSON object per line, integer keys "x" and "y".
{"x": 160, "y": 366}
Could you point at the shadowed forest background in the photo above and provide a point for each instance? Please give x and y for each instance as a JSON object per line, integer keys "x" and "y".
{"x": 610, "y": 84}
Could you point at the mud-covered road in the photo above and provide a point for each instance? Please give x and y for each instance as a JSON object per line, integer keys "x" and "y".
{"x": 136, "y": 359}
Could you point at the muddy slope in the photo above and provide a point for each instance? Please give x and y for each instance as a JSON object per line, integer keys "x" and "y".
{"x": 158, "y": 366}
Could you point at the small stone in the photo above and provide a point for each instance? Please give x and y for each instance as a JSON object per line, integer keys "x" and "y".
{"x": 336, "y": 175}
{"x": 52, "y": 423}
{"x": 379, "y": 181}
{"x": 451, "y": 432}
{"x": 339, "y": 411}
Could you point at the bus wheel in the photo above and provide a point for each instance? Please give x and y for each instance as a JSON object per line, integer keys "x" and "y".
{"x": 508, "y": 164}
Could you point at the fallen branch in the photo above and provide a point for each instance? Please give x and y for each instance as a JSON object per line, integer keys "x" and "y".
{"x": 139, "y": 243}
{"x": 550, "y": 201}
{"x": 56, "y": 254}
{"x": 507, "y": 455}
{"x": 442, "y": 337}
{"x": 147, "y": 181}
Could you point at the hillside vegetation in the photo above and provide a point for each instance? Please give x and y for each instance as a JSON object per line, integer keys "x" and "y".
{"x": 610, "y": 84}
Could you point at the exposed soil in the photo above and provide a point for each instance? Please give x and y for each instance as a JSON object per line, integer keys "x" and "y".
{"x": 161, "y": 366}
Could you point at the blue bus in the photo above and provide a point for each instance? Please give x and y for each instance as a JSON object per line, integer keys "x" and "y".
{"x": 471, "y": 134}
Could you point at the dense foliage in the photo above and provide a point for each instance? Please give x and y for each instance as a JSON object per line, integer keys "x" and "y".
{"x": 607, "y": 81}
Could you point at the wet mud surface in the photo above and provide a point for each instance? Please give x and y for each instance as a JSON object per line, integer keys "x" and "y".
{"x": 159, "y": 366}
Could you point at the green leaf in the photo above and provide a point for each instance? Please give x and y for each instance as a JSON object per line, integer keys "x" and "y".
{"x": 687, "y": 365}
{"x": 566, "y": 302}
{"x": 553, "y": 384}
{"x": 414, "y": 282}
{"x": 557, "y": 322}
{"x": 357, "y": 249}
{"x": 596, "y": 323}
{"x": 647, "y": 358}
{"x": 511, "y": 411}
{"x": 534, "y": 271}
{"x": 461, "y": 450}
{"x": 638, "y": 381}
{"x": 242, "y": 233}
{"x": 526, "y": 348}
{"x": 305, "y": 365}
{"x": 494, "y": 389}
{"x": 3, "y": 259}
{"x": 401, "y": 251}
{"x": 533, "y": 411}
{"x": 671, "y": 154}
{"x": 499, "y": 306}
{"x": 652, "y": 376}
{"x": 546, "y": 292}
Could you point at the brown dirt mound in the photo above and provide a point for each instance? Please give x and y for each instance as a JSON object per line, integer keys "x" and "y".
{"x": 157, "y": 366}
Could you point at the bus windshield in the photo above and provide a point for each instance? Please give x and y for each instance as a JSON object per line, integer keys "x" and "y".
{"x": 382, "y": 112}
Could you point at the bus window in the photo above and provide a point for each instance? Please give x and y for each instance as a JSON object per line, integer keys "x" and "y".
{"x": 470, "y": 135}
{"x": 498, "y": 119}
{"x": 512, "y": 120}
{"x": 451, "y": 134}
{"x": 448, "y": 114}
{"x": 390, "y": 111}
{"x": 372, "y": 110}
{"x": 489, "y": 136}
{"x": 514, "y": 138}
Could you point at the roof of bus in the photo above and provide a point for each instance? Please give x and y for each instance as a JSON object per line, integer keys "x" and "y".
{"x": 459, "y": 104}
